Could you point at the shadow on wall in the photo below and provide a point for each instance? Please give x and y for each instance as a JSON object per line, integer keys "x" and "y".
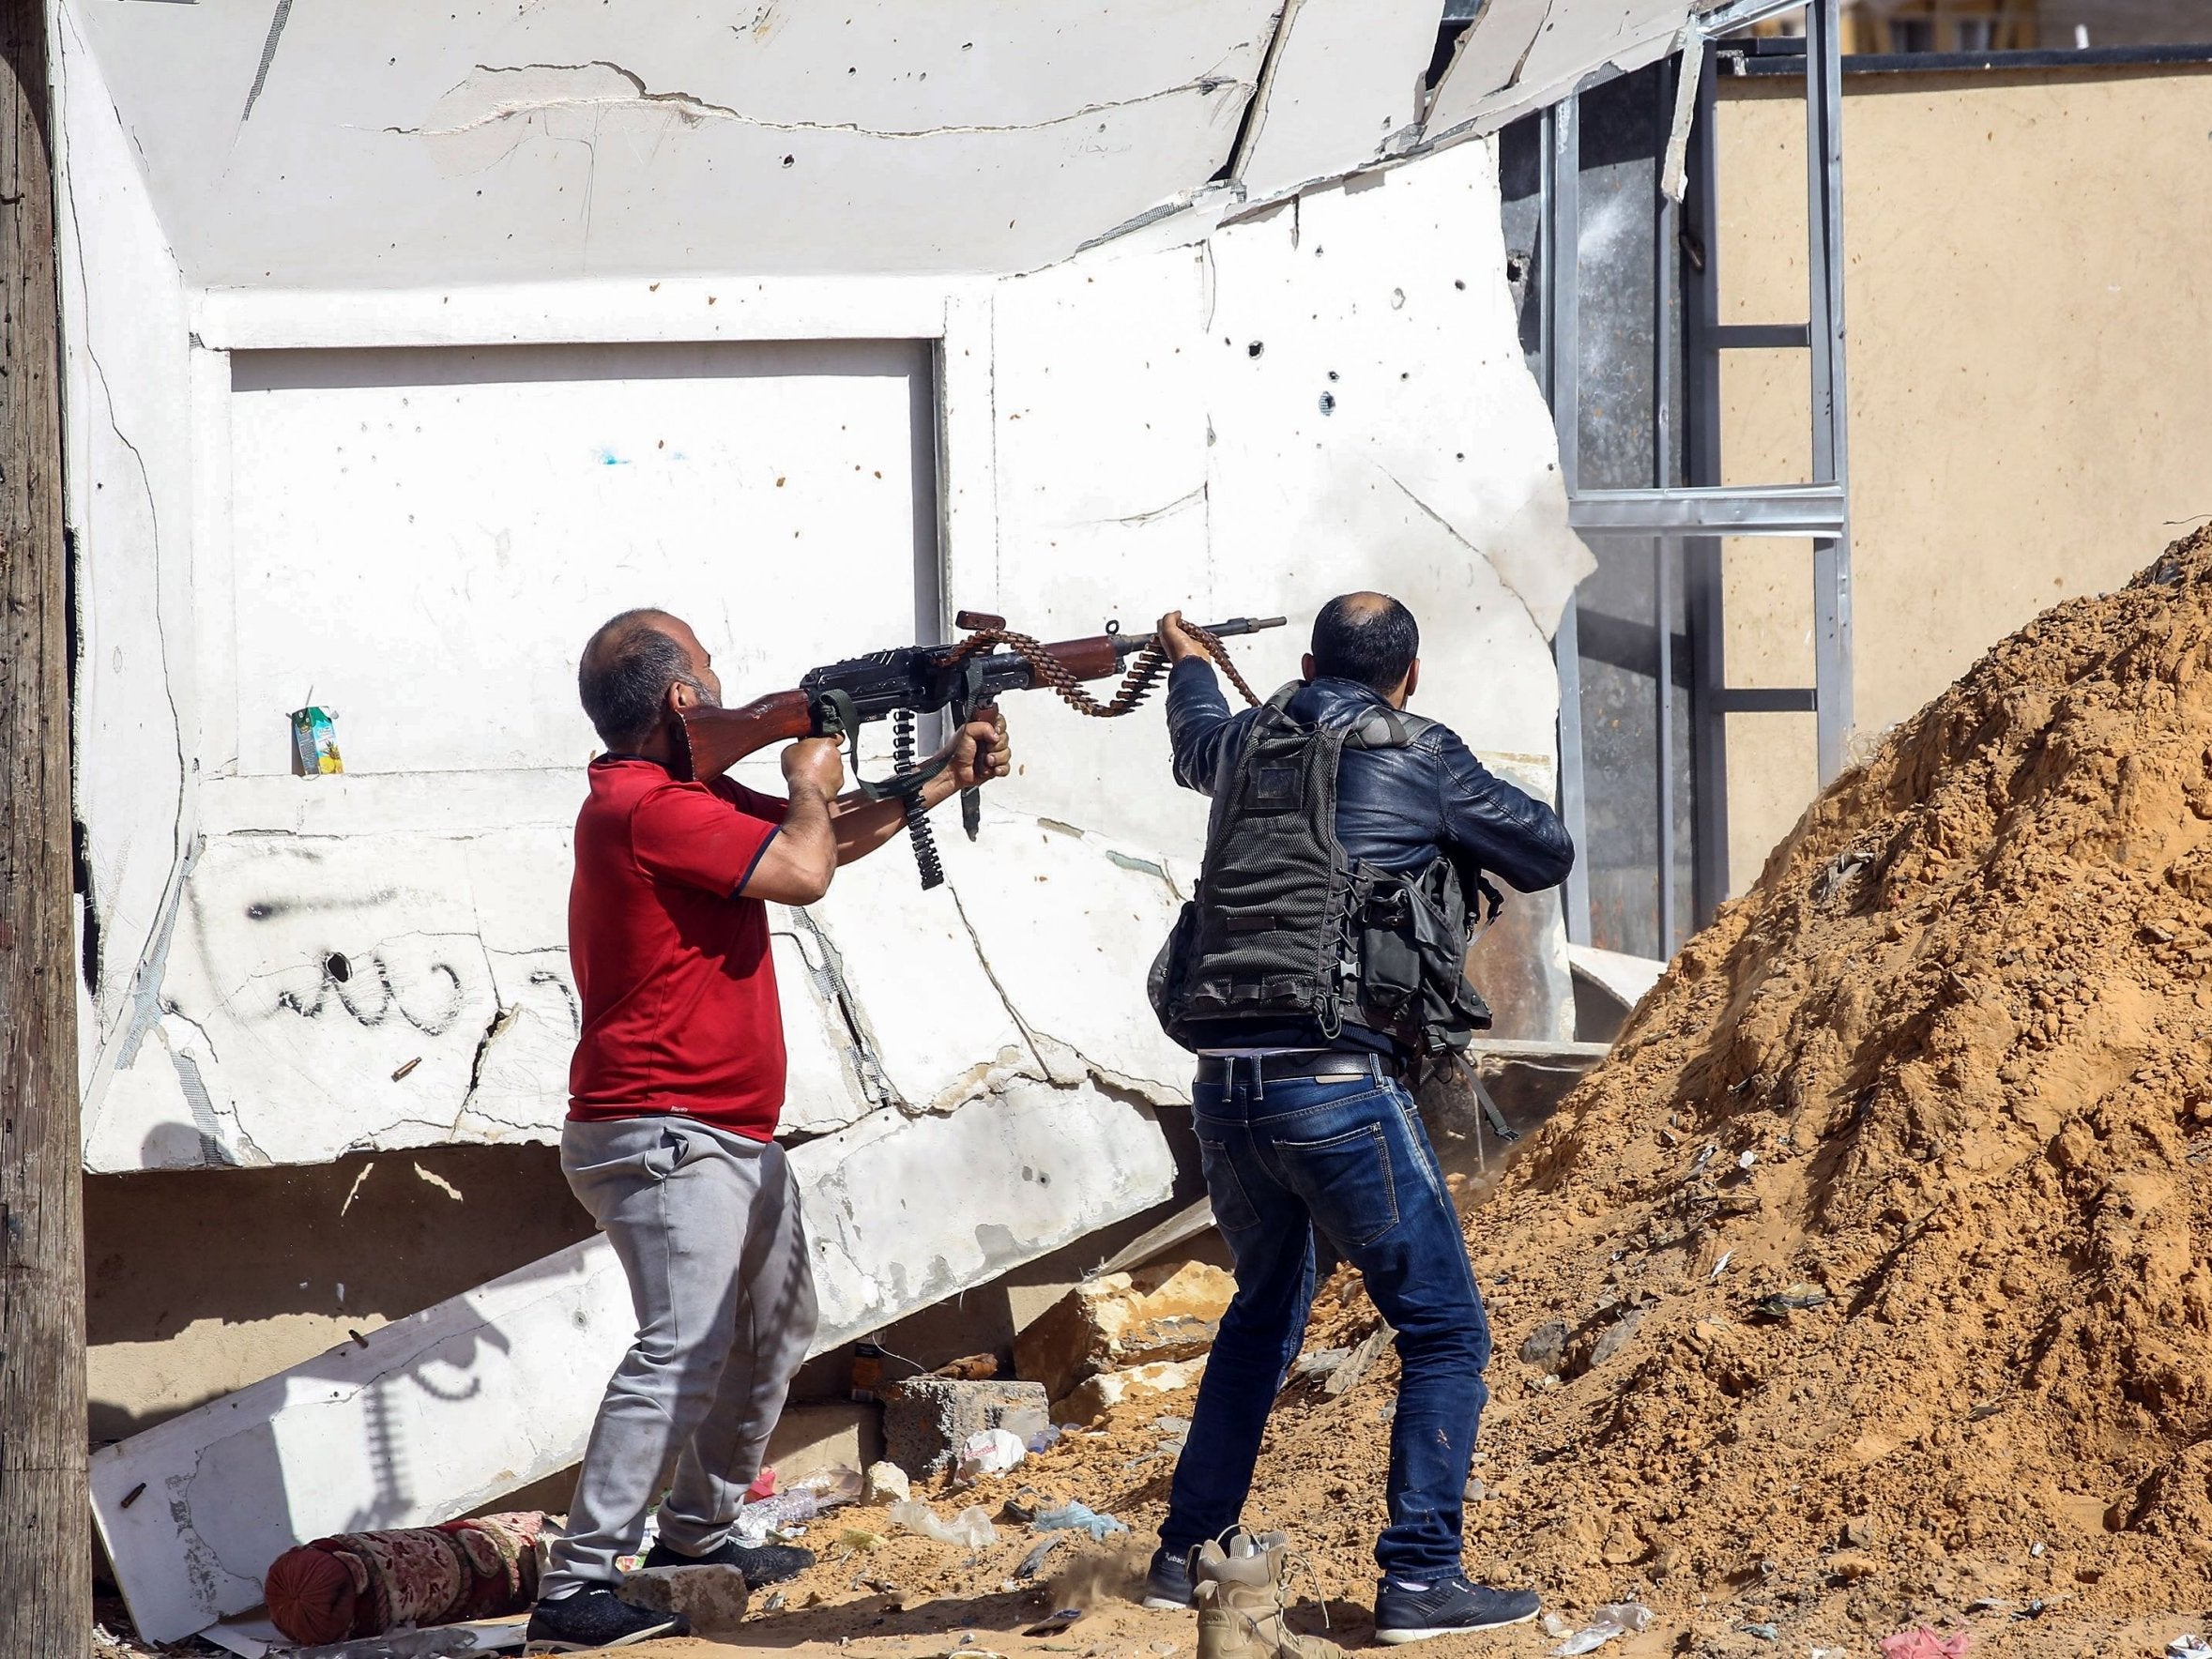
{"x": 200, "y": 1282}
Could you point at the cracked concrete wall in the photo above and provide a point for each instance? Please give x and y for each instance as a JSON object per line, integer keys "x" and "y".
{"x": 128, "y": 408}
{"x": 1322, "y": 396}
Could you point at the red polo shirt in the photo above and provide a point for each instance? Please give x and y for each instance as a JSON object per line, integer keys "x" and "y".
{"x": 672, "y": 963}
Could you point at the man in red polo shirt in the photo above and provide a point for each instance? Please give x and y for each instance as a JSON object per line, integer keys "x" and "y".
{"x": 675, "y": 1091}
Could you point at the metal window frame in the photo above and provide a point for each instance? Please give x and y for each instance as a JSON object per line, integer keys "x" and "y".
{"x": 1686, "y": 505}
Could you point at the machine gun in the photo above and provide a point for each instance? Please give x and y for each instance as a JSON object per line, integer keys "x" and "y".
{"x": 963, "y": 679}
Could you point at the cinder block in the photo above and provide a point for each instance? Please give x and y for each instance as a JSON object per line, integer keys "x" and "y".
{"x": 927, "y": 1420}
{"x": 810, "y": 1438}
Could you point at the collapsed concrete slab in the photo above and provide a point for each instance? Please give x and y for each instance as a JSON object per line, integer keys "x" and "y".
{"x": 435, "y": 1415}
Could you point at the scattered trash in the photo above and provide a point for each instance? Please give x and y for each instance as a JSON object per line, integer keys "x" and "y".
{"x": 763, "y": 1486}
{"x": 1320, "y": 1364}
{"x": 2034, "y": 1609}
{"x": 1073, "y": 1516}
{"x": 971, "y": 1527}
{"x": 774, "y": 1602}
{"x": 1356, "y": 1362}
{"x": 1796, "y": 1299}
{"x": 314, "y": 742}
{"x": 1619, "y": 1619}
{"x": 1765, "y": 1633}
{"x": 1922, "y": 1643}
{"x": 867, "y": 1371}
{"x": 1746, "y": 1162}
{"x": 993, "y": 1452}
{"x": 2189, "y": 1646}
{"x": 856, "y": 1537}
{"x": 758, "y": 1522}
{"x": 886, "y": 1483}
{"x": 1034, "y": 1563}
{"x": 971, "y": 1368}
{"x": 1554, "y": 1626}
{"x": 1045, "y": 1439}
{"x": 1697, "y": 1166}
{"x": 2036, "y": 1549}
{"x": 132, "y": 1496}
{"x": 404, "y": 1070}
{"x": 1056, "y": 1623}
{"x": 1719, "y": 1267}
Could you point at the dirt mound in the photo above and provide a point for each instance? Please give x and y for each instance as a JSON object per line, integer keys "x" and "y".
{"x": 1944, "y": 1065}
{"x": 1864, "y": 1278}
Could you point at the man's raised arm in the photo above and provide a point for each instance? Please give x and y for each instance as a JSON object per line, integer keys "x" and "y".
{"x": 1201, "y": 732}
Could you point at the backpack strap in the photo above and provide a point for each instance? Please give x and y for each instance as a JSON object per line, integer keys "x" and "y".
{"x": 1378, "y": 728}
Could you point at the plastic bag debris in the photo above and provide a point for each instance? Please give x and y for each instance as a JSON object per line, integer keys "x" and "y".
{"x": 991, "y": 1453}
{"x": 2189, "y": 1646}
{"x": 1034, "y": 1563}
{"x": 1619, "y": 1619}
{"x": 1073, "y": 1516}
{"x": 1922, "y": 1643}
{"x": 971, "y": 1527}
{"x": 772, "y": 1516}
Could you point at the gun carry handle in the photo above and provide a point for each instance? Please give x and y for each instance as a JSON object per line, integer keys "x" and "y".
{"x": 712, "y": 740}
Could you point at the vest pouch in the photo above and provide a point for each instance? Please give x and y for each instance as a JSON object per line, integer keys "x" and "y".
{"x": 1391, "y": 973}
{"x": 1164, "y": 984}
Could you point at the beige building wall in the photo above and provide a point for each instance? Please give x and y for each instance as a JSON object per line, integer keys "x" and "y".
{"x": 2029, "y": 304}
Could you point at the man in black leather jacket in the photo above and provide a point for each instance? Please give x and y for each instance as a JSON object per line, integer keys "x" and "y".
{"x": 1306, "y": 1137}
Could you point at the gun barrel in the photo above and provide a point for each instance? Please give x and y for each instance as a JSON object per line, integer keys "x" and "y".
{"x": 1128, "y": 645}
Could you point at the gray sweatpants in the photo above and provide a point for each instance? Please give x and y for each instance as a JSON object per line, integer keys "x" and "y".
{"x": 707, "y": 1226}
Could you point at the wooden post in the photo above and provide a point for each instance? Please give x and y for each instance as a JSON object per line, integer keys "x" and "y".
{"x": 45, "y": 1574}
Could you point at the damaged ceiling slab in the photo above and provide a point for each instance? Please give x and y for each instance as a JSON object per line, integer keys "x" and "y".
{"x": 432, "y": 1416}
{"x": 568, "y": 138}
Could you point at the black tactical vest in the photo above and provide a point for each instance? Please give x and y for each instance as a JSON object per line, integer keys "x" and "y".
{"x": 1286, "y": 928}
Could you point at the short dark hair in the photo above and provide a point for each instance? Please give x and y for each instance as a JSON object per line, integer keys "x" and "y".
{"x": 625, "y": 673}
{"x": 1368, "y": 637}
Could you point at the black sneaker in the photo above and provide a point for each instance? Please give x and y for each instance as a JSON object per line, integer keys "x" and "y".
{"x": 1168, "y": 1585}
{"x": 1447, "y": 1606}
{"x": 596, "y": 1617}
{"x": 762, "y": 1563}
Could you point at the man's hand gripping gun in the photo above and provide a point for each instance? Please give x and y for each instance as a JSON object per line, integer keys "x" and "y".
{"x": 965, "y": 680}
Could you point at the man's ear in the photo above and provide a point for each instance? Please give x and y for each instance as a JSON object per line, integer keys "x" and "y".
{"x": 1306, "y": 667}
{"x": 682, "y": 695}
{"x": 1413, "y": 682}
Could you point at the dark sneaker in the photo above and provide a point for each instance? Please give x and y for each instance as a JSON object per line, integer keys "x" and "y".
{"x": 596, "y": 1617}
{"x": 1447, "y": 1606}
{"x": 1168, "y": 1585}
{"x": 762, "y": 1563}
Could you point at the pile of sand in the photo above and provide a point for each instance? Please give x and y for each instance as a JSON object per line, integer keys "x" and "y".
{"x": 1944, "y": 1066}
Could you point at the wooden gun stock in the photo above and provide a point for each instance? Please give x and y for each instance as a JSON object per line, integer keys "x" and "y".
{"x": 715, "y": 740}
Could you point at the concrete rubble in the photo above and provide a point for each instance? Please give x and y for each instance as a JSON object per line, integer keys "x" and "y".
{"x": 927, "y": 1420}
{"x": 1118, "y": 1322}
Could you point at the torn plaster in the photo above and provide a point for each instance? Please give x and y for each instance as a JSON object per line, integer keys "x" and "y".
{"x": 1343, "y": 88}
{"x": 1521, "y": 54}
{"x": 432, "y": 1416}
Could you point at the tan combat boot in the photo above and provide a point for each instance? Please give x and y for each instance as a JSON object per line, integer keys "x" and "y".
{"x": 1240, "y": 1599}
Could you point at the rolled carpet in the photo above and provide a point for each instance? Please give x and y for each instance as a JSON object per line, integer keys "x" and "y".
{"x": 362, "y": 1584}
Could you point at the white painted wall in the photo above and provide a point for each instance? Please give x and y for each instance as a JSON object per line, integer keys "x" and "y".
{"x": 1324, "y": 395}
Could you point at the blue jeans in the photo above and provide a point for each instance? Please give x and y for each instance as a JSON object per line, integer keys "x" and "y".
{"x": 1346, "y": 1165}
